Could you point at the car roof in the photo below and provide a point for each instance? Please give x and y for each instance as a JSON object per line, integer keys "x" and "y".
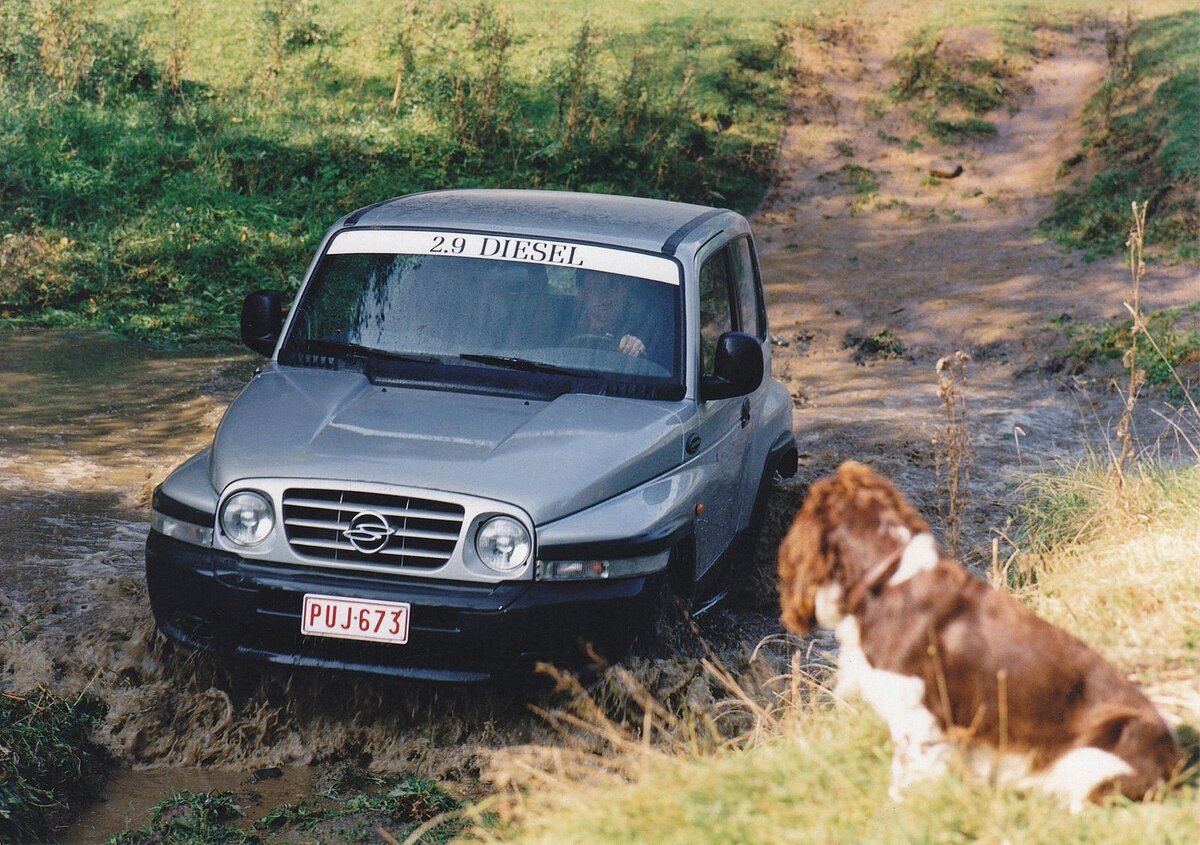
{"x": 631, "y": 222}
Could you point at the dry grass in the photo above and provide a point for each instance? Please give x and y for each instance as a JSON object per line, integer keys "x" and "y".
{"x": 953, "y": 453}
{"x": 777, "y": 758}
{"x": 1127, "y": 581}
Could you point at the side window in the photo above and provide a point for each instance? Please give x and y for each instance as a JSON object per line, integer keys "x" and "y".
{"x": 747, "y": 296}
{"x": 716, "y": 314}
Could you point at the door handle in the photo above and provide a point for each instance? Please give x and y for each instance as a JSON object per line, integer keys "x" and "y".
{"x": 745, "y": 412}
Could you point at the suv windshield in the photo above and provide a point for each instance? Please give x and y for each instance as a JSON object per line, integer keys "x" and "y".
{"x": 558, "y": 318}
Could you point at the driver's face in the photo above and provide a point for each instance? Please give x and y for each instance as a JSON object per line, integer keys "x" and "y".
{"x": 604, "y": 301}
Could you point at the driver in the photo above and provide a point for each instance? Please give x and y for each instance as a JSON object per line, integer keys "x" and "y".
{"x": 605, "y": 311}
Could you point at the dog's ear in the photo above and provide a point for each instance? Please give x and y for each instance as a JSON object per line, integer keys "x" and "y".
{"x": 874, "y": 505}
{"x": 804, "y": 559}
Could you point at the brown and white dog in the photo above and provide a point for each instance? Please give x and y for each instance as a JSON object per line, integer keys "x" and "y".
{"x": 954, "y": 666}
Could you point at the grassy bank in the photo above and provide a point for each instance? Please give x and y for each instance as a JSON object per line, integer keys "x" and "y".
{"x": 1113, "y": 564}
{"x": 1141, "y": 143}
{"x": 47, "y": 761}
{"x": 155, "y": 165}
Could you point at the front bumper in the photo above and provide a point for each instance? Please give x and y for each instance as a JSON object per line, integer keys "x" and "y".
{"x": 224, "y": 604}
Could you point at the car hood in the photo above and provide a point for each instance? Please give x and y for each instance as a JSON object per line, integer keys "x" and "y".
{"x": 550, "y": 458}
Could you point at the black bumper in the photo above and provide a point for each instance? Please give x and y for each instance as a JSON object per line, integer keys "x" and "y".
{"x": 224, "y": 604}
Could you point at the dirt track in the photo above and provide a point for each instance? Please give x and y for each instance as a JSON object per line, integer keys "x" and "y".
{"x": 943, "y": 265}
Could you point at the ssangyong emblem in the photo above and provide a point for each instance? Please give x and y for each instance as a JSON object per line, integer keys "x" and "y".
{"x": 368, "y": 532}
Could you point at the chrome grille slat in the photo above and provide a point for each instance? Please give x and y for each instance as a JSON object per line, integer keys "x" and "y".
{"x": 422, "y": 533}
{"x": 400, "y": 532}
{"x": 334, "y": 544}
{"x": 379, "y": 509}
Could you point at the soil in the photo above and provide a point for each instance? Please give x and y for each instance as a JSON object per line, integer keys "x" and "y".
{"x": 940, "y": 265}
{"x": 88, "y": 425}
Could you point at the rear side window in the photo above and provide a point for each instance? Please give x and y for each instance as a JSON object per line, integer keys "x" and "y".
{"x": 728, "y": 298}
{"x": 747, "y": 288}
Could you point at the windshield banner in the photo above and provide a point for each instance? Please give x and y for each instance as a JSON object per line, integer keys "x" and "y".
{"x": 506, "y": 248}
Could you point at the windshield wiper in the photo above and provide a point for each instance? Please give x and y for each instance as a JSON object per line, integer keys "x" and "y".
{"x": 335, "y": 347}
{"x": 512, "y": 363}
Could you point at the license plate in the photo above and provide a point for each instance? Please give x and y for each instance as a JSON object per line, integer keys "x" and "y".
{"x": 355, "y": 619}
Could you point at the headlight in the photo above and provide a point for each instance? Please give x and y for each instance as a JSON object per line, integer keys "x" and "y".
{"x": 503, "y": 544}
{"x": 247, "y": 518}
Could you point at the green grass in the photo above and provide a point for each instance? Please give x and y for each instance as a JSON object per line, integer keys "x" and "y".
{"x": 350, "y": 808}
{"x": 148, "y": 185}
{"x": 47, "y": 760}
{"x": 862, "y": 180}
{"x": 1175, "y": 332}
{"x": 952, "y": 91}
{"x": 1143, "y": 126}
{"x": 978, "y": 85}
{"x": 826, "y": 782}
{"x": 959, "y": 131}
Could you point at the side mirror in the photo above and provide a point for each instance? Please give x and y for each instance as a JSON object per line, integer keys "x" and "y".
{"x": 737, "y": 370}
{"x": 262, "y": 320}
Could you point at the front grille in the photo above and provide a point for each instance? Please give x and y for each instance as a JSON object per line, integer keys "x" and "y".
{"x": 423, "y": 532}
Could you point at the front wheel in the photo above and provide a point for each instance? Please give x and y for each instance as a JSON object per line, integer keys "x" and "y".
{"x": 667, "y": 628}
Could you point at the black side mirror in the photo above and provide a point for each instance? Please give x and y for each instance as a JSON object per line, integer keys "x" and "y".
{"x": 737, "y": 370}
{"x": 262, "y": 320}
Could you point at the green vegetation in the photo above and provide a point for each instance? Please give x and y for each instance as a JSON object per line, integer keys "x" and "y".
{"x": 960, "y": 131}
{"x": 189, "y": 818}
{"x": 880, "y": 345}
{"x": 862, "y": 179}
{"x": 978, "y": 85}
{"x": 1143, "y": 126}
{"x": 1175, "y": 353}
{"x": 1112, "y": 563}
{"x": 342, "y": 812}
{"x": 952, "y": 87}
{"x": 148, "y": 183}
{"x": 46, "y": 760}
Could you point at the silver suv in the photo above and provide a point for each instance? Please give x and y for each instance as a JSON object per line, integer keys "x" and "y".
{"x": 496, "y": 427}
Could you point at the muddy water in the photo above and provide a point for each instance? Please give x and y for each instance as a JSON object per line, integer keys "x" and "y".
{"x": 88, "y": 424}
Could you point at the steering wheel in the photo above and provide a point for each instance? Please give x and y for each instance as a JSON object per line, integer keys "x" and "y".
{"x": 593, "y": 341}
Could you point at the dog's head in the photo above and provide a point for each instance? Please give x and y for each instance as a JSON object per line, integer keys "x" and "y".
{"x": 848, "y": 523}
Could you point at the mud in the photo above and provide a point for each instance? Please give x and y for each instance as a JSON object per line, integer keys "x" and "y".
{"x": 89, "y": 424}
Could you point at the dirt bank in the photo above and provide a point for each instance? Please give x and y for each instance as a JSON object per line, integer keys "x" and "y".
{"x": 940, "y": 265}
